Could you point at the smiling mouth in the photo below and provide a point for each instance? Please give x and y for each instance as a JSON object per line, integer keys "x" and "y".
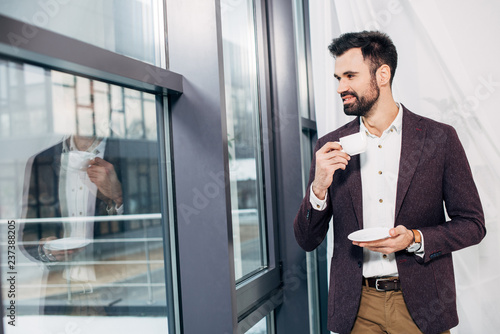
{"x": 348, "y": 99}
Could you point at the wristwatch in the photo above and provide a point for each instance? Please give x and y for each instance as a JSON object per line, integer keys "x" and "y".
{"x": 417, "y": 242}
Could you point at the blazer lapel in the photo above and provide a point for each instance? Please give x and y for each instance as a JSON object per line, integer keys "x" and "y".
{"x": 354, "y": 185}
{"x": 353, "y": 175}
{"x": 56, "y": 160}
{"x": 412, "y": 143}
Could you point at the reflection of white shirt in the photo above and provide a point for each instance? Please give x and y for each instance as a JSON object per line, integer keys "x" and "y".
{"x": 77, "y": 198}
{"x": 77, "y": 194}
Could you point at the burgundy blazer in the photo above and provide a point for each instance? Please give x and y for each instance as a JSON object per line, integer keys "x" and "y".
{"x": 433, "y": 169}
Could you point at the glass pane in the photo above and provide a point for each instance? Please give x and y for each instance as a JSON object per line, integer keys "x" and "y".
{"x": 301, "y": 60}
{"x": 306, "y": 146}
{"x": 243, "y": 132}
{"x": 132, "y": 28}
{"x": 80, "y": 206}
{"x": 259, "y": 328}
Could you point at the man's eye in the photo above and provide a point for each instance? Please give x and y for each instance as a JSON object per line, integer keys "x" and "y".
{"x": 350, "y": 76}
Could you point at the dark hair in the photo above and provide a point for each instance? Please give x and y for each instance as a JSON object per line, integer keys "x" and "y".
{"x": 375, "y": 46}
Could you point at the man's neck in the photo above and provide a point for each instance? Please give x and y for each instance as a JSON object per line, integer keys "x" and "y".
{"x": 83, "y": 143}
{"x": 381, "y": 116}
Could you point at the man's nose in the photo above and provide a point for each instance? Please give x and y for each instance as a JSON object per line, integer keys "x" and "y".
{"x": 343, "y": 86}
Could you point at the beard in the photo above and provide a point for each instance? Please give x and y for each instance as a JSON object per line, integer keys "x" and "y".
{"x": 362, "y": 105}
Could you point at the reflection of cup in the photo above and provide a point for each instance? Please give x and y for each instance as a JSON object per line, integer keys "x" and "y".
{"x": 354, "y": 144}
{"x": 80, "y": 160}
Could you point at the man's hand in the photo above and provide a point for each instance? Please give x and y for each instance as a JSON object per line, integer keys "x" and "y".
{"x": 400, "y": 239}
{"x": 103, "y": 175}
{"x": 329, "y": 158}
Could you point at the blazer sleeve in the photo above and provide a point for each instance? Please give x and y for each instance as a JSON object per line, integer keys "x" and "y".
{"x": 466, "y": 226}
{"x": 311, "y": 225}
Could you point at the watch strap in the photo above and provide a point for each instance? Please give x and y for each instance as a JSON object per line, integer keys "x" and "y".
{"x": 417, "y": 242}
{"x": 417, "y": 238}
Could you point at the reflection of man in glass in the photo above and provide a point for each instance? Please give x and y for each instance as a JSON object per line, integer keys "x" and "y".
{"x": 78, "y": 178}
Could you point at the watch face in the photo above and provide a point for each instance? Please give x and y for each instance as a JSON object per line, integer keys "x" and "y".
{"x": 413, "y": 247}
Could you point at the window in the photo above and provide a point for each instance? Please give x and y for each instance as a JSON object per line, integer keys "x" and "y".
{"x": 90, "y": 234}
{"x": 262, "y": 327}
{"x": 249, "y": 143}
{"x": 244, "y": 137}
{"x": 317, "y": 290}
{"x": 85, "y": 206}
{"x": 197, "y": 156}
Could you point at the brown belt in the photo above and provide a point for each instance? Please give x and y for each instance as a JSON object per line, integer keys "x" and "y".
{"x": 383, "y": 283}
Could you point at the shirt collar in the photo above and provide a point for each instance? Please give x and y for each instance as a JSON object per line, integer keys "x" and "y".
{"x": 396, "y": 125}
{"x": 96, "y": 147}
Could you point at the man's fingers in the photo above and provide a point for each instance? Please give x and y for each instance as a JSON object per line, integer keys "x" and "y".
{"x": 396, "y": 242}
{"x": 99, "y": 162}
{"x": 398, "y": 230}
{"x": 94, "y": 171}
{"x": 329, "y": 158}
{"x": 335, "y": 159}
{"x": 376, "y": 243}
{"x": 380, "y": 248}
{"x": 335, "y": 154}
{"x": 94, "y": 161}
{"x": 330, "y": 146}
{"x": 332, "y": 158}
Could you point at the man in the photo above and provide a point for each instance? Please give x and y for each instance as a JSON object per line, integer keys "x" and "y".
{"x": 78, "y": 178}
{"x": 403, "y": 283}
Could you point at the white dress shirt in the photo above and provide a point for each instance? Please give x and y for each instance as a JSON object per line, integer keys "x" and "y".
{"x": 379, "y": 177}
{"x": 77, "y": 198}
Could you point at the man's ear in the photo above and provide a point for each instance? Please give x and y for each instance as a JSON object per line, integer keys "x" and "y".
{"x": 384, "y": 75}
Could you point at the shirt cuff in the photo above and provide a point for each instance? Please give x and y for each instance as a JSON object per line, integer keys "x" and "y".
{"x": 114, "y": 210}
{"x": 316, "y": 203}
{"x": 421, "y": 251}
{"x": 120, "y": 209}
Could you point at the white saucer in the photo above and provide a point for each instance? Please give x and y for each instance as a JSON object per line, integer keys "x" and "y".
{"x": 370, "y": 234}
{"x": 67, "y": 243}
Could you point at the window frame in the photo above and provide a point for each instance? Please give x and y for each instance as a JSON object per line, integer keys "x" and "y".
{"x": 61, "y": 53}
{"x": 53, "y": 51}
{"x": 257, "y": 294}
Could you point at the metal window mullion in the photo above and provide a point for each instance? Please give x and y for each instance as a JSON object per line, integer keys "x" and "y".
{"x": 52, "y": 50}
{"x": 165, "y": 170}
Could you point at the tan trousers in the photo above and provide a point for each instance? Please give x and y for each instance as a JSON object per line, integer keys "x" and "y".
{"x": 384, "y": 312}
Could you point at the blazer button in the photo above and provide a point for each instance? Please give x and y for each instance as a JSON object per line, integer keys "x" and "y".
{"x": 359, "y": 264}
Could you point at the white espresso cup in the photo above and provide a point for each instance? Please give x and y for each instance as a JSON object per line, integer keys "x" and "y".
{"x": 354, "y": 144}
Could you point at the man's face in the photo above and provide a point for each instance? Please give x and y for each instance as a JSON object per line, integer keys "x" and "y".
{"x": 357, "y": 86}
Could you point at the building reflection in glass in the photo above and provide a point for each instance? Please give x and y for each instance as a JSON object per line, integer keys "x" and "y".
{"x": 90, "y": 233}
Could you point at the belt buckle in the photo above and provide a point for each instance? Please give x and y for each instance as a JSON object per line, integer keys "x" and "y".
{"x": 376, "y": 283}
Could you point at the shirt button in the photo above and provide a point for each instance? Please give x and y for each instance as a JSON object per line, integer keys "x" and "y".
{"x": 392, "y": 130}
{"x": 380, "y": 200}
{"x": 385, "y": 256}
{"x": 318, "y": 206}
{"x": 380, "y": 146}
{"x": 379, "y": 172}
